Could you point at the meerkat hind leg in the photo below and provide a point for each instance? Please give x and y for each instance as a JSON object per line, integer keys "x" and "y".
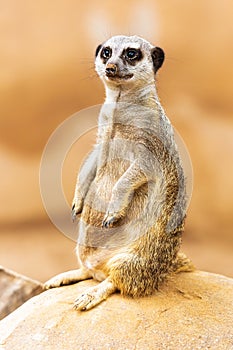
{"x": 94, "y": 295}
{"x": 68, "y": 277}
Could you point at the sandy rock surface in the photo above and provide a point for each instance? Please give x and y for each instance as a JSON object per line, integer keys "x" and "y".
{"x": 193, "y": 311}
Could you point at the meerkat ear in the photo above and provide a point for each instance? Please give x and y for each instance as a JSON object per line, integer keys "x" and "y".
{"x": 157, "y": 55}
{"x": 98, "y": 50}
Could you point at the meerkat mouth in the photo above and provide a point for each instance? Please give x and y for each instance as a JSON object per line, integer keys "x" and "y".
{"x": 118, "y": 77}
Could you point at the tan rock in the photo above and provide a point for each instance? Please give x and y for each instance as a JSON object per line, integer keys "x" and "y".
{"x": 15, "y": 289}
{"x": 193, "y": 311}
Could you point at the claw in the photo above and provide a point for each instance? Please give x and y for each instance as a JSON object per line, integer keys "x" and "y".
{"x": 94, "y": 295}
{"x": 75, "y": 210}
{"x": 109, "y": 220}
{"x": 73, "y": 215}
{"x": 85, "y": 302}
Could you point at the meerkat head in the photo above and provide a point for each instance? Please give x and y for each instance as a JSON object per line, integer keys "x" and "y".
{"x": 125, "y": 60}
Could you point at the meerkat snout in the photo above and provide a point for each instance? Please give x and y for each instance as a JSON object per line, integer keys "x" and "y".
{"x": 111, "y": 69}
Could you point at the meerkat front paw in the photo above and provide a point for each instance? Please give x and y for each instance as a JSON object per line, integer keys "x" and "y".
{"x": 76, "y": 209}
{"x": 110, "y": 219}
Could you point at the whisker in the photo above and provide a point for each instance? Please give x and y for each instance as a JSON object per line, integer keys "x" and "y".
{"x": 90, "y": 76}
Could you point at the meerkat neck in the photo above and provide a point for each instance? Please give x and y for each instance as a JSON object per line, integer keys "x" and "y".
{"x": 142, "y": 95}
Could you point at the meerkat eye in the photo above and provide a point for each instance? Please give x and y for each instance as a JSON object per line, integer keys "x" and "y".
{"x": 132, "y": 54}
{"x": 106, "y": 53}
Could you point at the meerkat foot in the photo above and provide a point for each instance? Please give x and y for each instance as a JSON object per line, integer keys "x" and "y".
{"x": 94, "y": 295}
{"x": 66, "y": 278}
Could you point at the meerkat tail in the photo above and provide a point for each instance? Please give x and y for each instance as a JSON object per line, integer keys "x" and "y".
{"x": 183, "y": 264}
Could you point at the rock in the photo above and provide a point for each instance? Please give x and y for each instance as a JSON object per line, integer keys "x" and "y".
{"x": 15, "y": 289}
{"x": 192, "y": 311}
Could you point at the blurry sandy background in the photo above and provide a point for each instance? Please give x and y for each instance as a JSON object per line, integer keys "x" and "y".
{"x": 46, "y": 75}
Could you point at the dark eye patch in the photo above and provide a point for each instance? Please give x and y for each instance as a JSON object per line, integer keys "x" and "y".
{"x": 131, "y": 55}
{"x": 106, "y": 53}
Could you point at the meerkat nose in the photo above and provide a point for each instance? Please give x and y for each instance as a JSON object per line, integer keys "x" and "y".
{"x": 111, "y": 69}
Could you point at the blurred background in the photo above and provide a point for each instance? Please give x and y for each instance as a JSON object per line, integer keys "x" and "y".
{"x": 47, "y": 74}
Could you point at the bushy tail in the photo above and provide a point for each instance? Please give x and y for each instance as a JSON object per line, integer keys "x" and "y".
{"x": 183, "y": 264}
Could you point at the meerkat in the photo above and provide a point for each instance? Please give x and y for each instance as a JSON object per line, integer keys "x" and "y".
{"x": 130, "y": 195}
